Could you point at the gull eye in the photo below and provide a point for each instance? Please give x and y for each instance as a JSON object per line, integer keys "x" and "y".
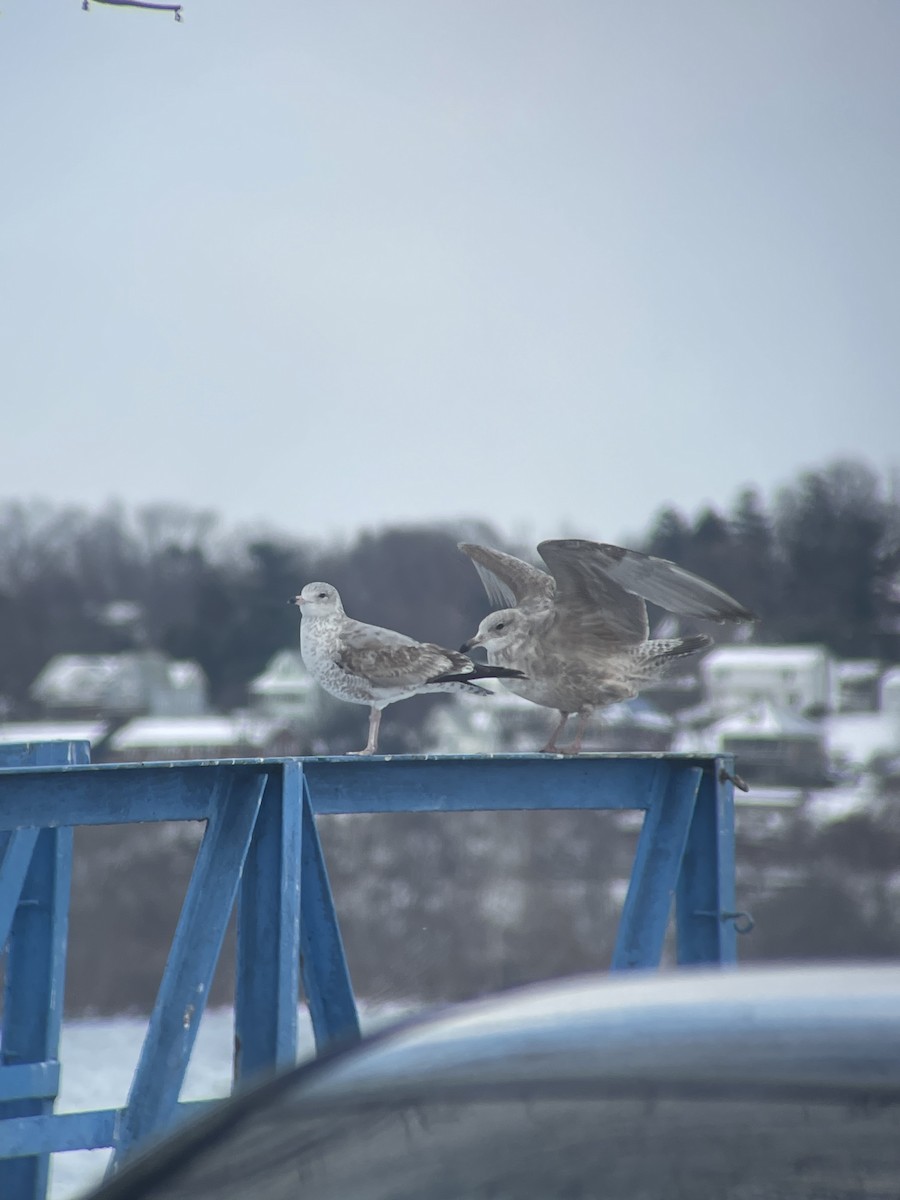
{"x": 322, "y": 596}
{"x": 500, "y": 625}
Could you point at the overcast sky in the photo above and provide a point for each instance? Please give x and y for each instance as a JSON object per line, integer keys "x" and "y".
{"x": 334, "y": 265}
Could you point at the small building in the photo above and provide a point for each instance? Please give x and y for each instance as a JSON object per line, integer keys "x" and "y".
{"x": 794, "y": 678}
{"x": 855, "y": 740}
{"x": 890, "y": 691}
{"x": 856, "y": 685}
{"x": 285, "y": 688}
{"x": 136, "y": 681}
{"x": 771, "y": 745}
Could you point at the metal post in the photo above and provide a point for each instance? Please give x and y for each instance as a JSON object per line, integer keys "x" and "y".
{"x": 705, "y": 904}
{"x": 195, "y": 950}
{"x": 655, "y": 874}
{"x": 36, "y": 962}
{"x": 267, "y": 979}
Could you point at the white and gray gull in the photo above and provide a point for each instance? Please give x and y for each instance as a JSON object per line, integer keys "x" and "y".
{"x": 366, "y": 664}
{"x": 580, "y": 634}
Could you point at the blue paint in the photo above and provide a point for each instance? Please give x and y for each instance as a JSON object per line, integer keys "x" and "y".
{"x": 706, "y": 884}
{"x": 268, "y": 933}
{"x": 94, "y": 1130}
{"x": 326, "y": 978}
{"x": 198, "y": 938}
{"x": 29, "y": 1081}
{"x": 654, "y": 876}
{"x": 261, "y": 844}
{"x": 15, "y": 859}
{"x": 35, "y": 966}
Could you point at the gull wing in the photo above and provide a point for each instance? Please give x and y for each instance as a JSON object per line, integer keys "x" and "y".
{"x": 659, "y": 581}
{"x": 508, "y": 581}
{"x": 590, "y": 607}
{"x": 388, "y": 659}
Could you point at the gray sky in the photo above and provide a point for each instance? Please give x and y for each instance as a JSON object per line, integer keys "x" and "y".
{"x": 333, "y": 265}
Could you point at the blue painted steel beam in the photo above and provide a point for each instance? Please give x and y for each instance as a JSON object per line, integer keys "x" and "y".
{"x": 326, "y": 978}
{"x": 94, "y": 1130}
{"x": 654, "y": 876}
{"x": 29, "y": 1081}
{"x": 35, "y": 971}
{"x": 705, "y": 902}
{"x": 188, "y": 974}
{"x": 267, "y": 979}
{"x": 16, "y": 849}
{"x": 116, "y": 793}
{"x": 112, "y": 795}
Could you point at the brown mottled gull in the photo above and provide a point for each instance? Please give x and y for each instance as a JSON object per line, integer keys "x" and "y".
{"x": 366, "y": 664}
{"x": 580, "y": 634}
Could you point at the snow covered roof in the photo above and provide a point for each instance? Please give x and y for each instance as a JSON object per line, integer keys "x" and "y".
{"x": 766, "y": 720}
{"x": 766, "y": 656}
{"x": 84, "y": 677}
{"x": 284, "y": 675}
{"x": 12, "y": 732}
{"x": 146, "y": 733}
{"x": 853, "y": 669}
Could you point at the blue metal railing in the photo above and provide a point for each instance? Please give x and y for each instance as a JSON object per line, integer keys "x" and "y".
{"x": 261, "y": 849}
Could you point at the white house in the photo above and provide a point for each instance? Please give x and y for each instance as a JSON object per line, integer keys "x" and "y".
{"x": 137, "y": 681}
{"x": 285, "y": 688}
{"x": 796, "y": 678}
{"x": 856, "y": 683}
{"x": 771, "y": 745}
{"x": 890, "y": 691}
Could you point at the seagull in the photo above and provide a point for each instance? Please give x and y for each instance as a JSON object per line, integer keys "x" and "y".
{"x": 580, "y": 634}
{"x": 366, "y": 664}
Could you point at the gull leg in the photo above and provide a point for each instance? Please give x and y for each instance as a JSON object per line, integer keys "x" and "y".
{"x": 374, "y": 722}
{"x": 575, "y": 747}
{"x": 551, "y": 747}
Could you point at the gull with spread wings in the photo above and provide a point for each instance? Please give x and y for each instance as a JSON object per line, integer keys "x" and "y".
{"x": 366, "y": 664}
{"x": 580, "y": 634}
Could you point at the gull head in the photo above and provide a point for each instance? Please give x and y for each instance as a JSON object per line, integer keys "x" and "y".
{"x": 497, "y": 631}
{"x": 318, "y": 600}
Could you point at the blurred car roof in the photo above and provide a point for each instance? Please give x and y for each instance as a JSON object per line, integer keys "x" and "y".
{"x": 563, "y": 1061}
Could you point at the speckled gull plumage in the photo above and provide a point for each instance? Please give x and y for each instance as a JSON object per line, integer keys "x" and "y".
{"x": 366, "y": 664}
{"x": 580, "y": 634}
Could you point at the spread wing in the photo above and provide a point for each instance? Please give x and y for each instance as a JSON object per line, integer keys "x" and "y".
{"x": 388, "y": 659}
{"x": 591, "y": 608}
{"x": 508, "y": 581}
{"x": 654, "y": 579}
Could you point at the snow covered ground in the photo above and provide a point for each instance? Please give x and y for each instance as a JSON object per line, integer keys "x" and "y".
{"x": 98, "y": 1059}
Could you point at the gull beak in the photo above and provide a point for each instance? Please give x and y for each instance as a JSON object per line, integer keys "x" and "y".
{"x": 298, "y": 600}
{"x": 467, "y": 646}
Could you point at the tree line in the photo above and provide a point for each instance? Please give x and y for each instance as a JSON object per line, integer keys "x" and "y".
{"x": 819, "y": 561}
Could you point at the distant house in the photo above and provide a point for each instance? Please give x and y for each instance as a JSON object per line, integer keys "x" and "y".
{"x": 153, "y": 739}
{"x": 890, "y": 691}
{"x": 795, "y": 678}
{"x": 139, "y": 681}
{"x": 285, "y": 688}
{"x": 772, "y": 745}
{"x": 856, "y": 684}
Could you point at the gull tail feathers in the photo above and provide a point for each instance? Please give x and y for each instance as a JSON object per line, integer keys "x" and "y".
{"x": 476, "y": 670}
